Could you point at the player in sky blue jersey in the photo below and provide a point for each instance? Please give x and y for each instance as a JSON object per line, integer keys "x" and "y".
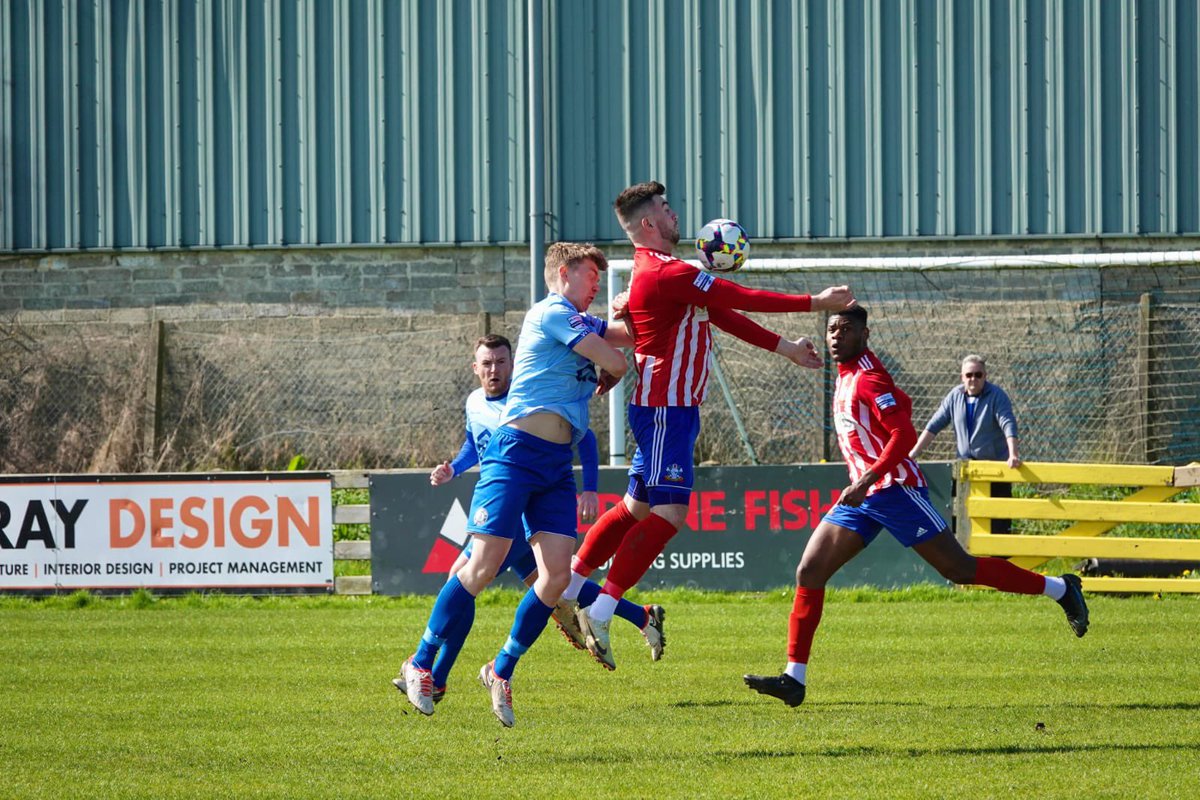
{"x": 526, "y": 469}
{"x": 493, "y": 366}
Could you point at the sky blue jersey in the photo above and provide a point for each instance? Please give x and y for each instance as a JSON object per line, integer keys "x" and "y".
{"x": 483, "y": 417}
{"x": 547, "y": 373}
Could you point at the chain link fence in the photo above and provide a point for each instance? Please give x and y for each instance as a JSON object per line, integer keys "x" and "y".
{"x": 1101, "y": 365}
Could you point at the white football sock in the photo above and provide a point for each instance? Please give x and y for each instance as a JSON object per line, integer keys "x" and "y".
{"x": 797, "y": 671}
{"x": 602, "y": 610}
{"x": 1055, "y": 588}
{"x": 572, "y": 591}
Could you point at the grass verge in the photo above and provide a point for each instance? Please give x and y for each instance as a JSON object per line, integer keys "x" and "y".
{"x": 926, "y": 692}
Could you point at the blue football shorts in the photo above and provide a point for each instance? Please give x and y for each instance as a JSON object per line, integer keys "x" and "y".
{"x": 906, "y": 513}
{"x": 662, "y": 470}
{"x": 523, "y": 475}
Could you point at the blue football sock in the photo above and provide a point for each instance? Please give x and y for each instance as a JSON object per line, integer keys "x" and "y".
{"x": 588, "y": 593}
{"x": 528, "y": 624}
{"x": 632, "y": 612}
{"x": 451, "y": 604}
{"x": 625, "y": 609}
{"x": 448, "y": 654}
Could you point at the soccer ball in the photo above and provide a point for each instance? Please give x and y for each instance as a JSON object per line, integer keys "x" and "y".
{"x": 723, "y": 246}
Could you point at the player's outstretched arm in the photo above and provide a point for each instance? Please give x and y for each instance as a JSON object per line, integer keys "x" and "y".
{"x": 744, "y": 328}
{"x": 801, "y": 352}
{"x": 835, "y": 298}
{"x": 689, "y": 285}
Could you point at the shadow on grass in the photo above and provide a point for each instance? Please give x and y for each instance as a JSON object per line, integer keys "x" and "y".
{"x": 810, "y": 708}
{"x": 1157, "y": 706}
{"x": 703, "y": 703}
{"x": 818, "y": 705}
{"x": 1175, "y": 706}
{"x": 917, "y": 752}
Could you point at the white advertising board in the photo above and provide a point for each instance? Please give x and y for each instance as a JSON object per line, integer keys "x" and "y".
{"x": 258, "y": 532}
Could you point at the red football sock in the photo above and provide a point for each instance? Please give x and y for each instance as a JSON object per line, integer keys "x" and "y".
{"x": 1007, "y": 577}
{"x": 803, "y": 622}
{"x": 643, "y": 543}
{"x": 603, "y": 539}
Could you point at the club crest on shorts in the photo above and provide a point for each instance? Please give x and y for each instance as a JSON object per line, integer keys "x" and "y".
{"x": 481, "y": 516}
{"x": 673, "y": 473}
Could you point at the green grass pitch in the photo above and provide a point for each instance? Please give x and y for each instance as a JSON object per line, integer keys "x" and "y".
{"x": 923, "y": 693}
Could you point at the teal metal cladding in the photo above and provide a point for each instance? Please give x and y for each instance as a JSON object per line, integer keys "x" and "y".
{"x": 171, "y": 123}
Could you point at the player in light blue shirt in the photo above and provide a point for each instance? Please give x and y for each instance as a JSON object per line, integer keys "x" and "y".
{"x": 526, "y": 469}
{"x": 493, "y": 366}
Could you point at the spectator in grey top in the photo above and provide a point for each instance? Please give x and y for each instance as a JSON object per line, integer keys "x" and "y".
{"x": 984, "y": 424}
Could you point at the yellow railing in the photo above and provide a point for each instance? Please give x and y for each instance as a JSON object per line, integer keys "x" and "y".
{"x": 1092, "y": 517}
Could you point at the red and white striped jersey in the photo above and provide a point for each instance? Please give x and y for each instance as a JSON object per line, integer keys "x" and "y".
{"x": 669, "y": 312}
{"x": 867, "y": 409}
{"x": 672, "y": 341}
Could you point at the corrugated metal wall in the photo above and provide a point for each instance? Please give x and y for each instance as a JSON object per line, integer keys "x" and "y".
{"x": 234, "y": 122}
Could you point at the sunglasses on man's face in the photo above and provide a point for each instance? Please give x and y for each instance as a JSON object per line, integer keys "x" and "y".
{"x": 972, "y": 374}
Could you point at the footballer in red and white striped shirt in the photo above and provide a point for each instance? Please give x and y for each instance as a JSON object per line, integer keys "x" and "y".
{"x": 868, "y": 409}
{"x": 887, "y": 490}
{"x": 671, "y": 307}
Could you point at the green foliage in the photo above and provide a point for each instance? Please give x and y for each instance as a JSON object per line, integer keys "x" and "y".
{"x": 1139, "y": 530}
{"x": 343, "y": 532}
{"x": 297, "y": 464}
{"x": 926, "y": 693}
{"x": 141, "y": 598}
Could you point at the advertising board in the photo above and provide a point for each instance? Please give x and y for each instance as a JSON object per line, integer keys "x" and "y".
{"x": 746, "y": 530}
{"x": 250, "y": 532}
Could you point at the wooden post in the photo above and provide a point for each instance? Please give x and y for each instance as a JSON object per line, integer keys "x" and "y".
{"x": 152, "y": 419}
{"x": 960, "y": 524}
{"x": 1142, "y": 370}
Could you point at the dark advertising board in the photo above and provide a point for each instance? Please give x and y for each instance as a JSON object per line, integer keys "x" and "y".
{"x": 746, "y": 530}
